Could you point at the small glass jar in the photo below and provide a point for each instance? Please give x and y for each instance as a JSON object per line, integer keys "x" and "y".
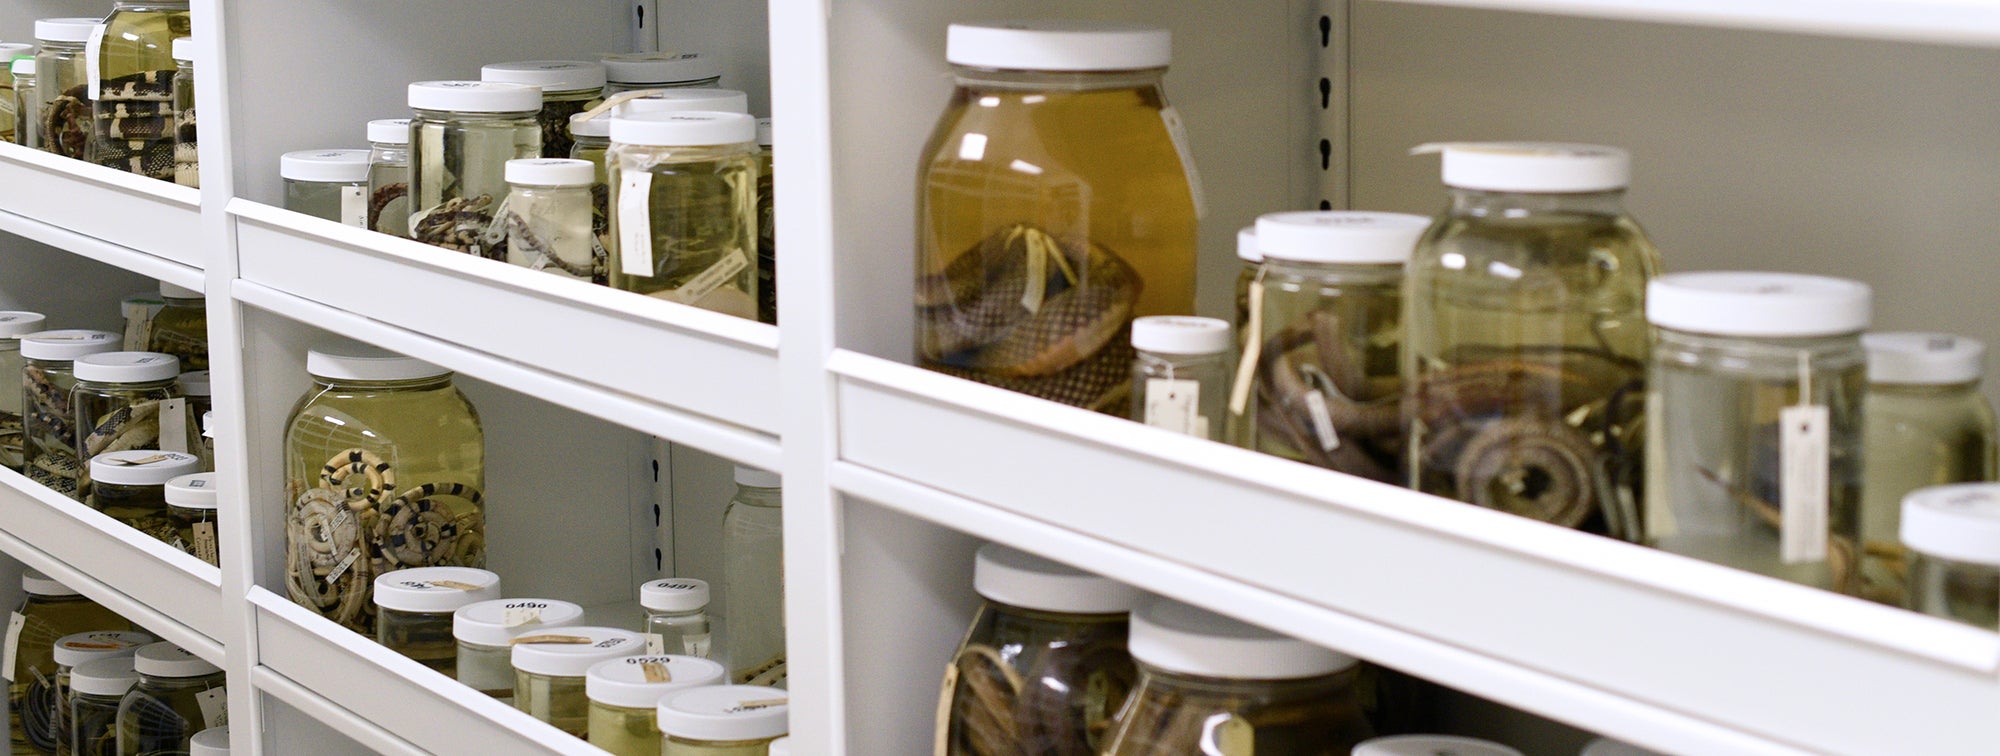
{"x": 1180, "y": 375}
{"x": 180, "y": 328}
{"x": 178, "y": 695}
{"x": 549, "y": 671}
{"x": 723, "y": 720}
{"x": 568, "y": 87}
{"x": 194, "y": 387}
{"x": 389, "y": 176}
{"x": 50, "y": 612}
{"x": 13, "y": 325}
{"x": 1753, "y": 417}
{"x": 549, "y": 217}
{"x": 626, "y": 72}
{"x": 676, "y": 617}
{"x": 91, "y": 724}
{"x": 191, "y": 505}
{"x": 414, "y": 608}
{"x": 1430, "y": 745}
{"x": 625, "y": 695}
{"x": 130, "y": 487}
{"x": 1925, "y": 424}
{"x": 767, "y": 227}
{"x": 684, "y": 199}
{"x": 1057, "y": 630}
{"x": 329, "y": 184}
{"x": 1206, "y": 680}
{"x": 592, "y": 140}
{"x": 130, "y": 400}
{"x": 48, "y": 450}
{"x": 385, "y": 466}
{"x": 132, "y": 82}
{"x": 62, "y": 86}
{"x": 687, "y": 100}
{"x": 78, "y": 649}
{"x": 485, "y": 633}
{"x": 213, "y": 741}
{"x": 139, "y": 310}
{"x": 463, "y": 135}
{"x": 1953, "y": 535}
{"x": 27, "y": 109}
{"x": 753, "y": 577}
{"x": 187, "y": 152}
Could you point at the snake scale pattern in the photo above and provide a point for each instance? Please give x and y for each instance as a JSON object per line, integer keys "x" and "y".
{"x": 356, "y": 523}
{"x": 133, "y": 124}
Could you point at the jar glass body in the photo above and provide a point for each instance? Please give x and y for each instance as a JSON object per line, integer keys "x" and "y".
{"x": 31, "y": 697}
{"x": 624, "y": 732}
{"x": 48, "y": 428}
{"x": 557, "y": 107}
{"x": 93, "y": 725}
{"x": 1524, "y": 355}
{"x": 1183, "y": 393}
{"x": 1329, "y": 390}
{"x": 62, "y": 94}
{"x": 1078, "y": 175}
{"x": 673, "y": 746}
{"x": 119, "y": 416}
{"x": 682, "y": 633}
{"x": 549, "y": 229}
{"x": 194, "y": 532}
{"x": 592, "y": 150}
{"x": 422, "y": 636}
{"x": 133, "y": 112}
{"x": 389, "y": 188}
{"x": 61, "y": 726}
{"x": 344, "y": 202}
{"x": 1914, "y": 436}
{"x": 187, "y": 152}
{"x": 767, "y": 240}
{"x": 615, "y": 87}
{"x": 143, "y": 508}
{"x": 11, "y": 401}
{"x": 161, "y": 714}
{"x": 181, "y": 329}
{"x": 559, "y": 701}
{"x": 1954, "y": 590}
{"x": 27, "y": 112}
{"x": 1074, "y": 671}
{"x": 698, "y": 242}
{"x": 458, "y": 175}
{"x": 359, "y": 456}
{"x": 1178, "y": 713}
{"x": 487, "y": 669}
{"x": 753, "y": 577}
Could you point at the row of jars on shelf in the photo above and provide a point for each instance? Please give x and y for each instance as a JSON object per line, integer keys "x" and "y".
{"x": 117, "y": 91}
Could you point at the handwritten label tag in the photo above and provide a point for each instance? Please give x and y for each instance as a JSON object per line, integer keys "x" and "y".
{"x": 655, "y": 644}
{"x": 1236, "y": 737}
{"x": 635, "y": 223}
{"x": 139, "y": 461}
{"x": 15, "y": 621}
{"x": 761, "y": 703}
{"x": 1174, "y": 405}
{"x": 1802, "y": 492}
{"x": 656, "y": 672}
{"x": 1322, "y": 419}
{"x": 721, "y": 272}
{"x": 214, "y": 704}
{"x": 341, "y": 568}
{"x": 573, "y": 640}
{"x": 454, "y": 585}
{"x": 205, "y": 547}
{"x": 354, "y": 206}
{"x": 174, "y": 425}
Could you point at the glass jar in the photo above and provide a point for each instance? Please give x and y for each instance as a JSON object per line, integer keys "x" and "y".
{"x": 722, "y": 720}
{"x": 78, "y": 649}
{"x": 9, "y": 123}
{"x": 139, "y": 310}
{"x": 384, "y": 459}
{"x": 753, "y": 577}
{"x": 676, "y": 620}
{"x": 1525, "y": 337}
{"x": 414, "y": 609}
{"x": 549, "y": 217}
{"x": 485, "y": 632}
{"x": 178, "y": 695}
{"x": 626, "y": 72}
{"x": 625, "y": 695}
{"x": 463, "y": 135}
{"x": 13, "y": 325}
{"x": 191, "y": 505}
{"x": 1208, "y": 683}
{"x": 132, "y": 86}
{"x": 1753, "y": 417}
{"x": 130, "y": 487}
{"x": 180, "y": 328}
{"x": 194, "y": 387}
{"x": 685, "y": 100}
{"x": 130, "y": 400}
{"x": 1431, "y": 745}
{"x": 1044, "y": 666}
{"x": 329, "y": 184}
{"x": 1252, "y": 257}
{"x": 389, "y": 176}
{"x": 1953, "y": 535}
{"x": 1926, "y": 424}
{"x": 91, "y": 722}
{"x": 213, "y": 741}
{"x": 48, "y": 446}
{"x": 684, "y": 194}
{"x": 27, "y": 109}
{"x": 50, "y": 612}
{"x": 549, "y": 671}
{"x": 767, "y": 228}
{"x": 592, "y": 140}
{"x": 62, "y": 84}
{"x": 568, "y": 87}
{"x": 1180, "y": 377}
{"x": 187, "y": 152}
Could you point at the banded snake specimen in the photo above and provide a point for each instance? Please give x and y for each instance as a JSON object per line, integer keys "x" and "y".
{"x": 134, "y": 124}
{"x": 1312, "y": 717}
{"x": 66, "y": 122}
{"x": 541, "y": 254}
{"x": 48, "y": 434}
{"x": 1024, "y": 695}
{"x": 357, "y": 523}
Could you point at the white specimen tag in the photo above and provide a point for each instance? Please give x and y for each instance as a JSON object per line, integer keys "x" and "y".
{"x": 354, "y": 206}
{"x": 1236, "y": 737}
{"x": 93, "y": 53}
{"x": 516, "y": 616}
{"x": 173, "y": 425}
{"x": 1802, "y": 489}
{"x": 15, "y": 622}
{"x": 1174, "y": 405}
{"x": 341, "y": 568}
{"x": 1322, "y": 419}
{"x": 656, "y": 644}
{"x": 204, "y": 543}
{"x": 1178, "y": 132}
{"x": 214, "y": 706}
{"x": 722, "y": 272}
{"x": 1246, "y": 368}
{"x": 695, "y": 644}
{"x": 635, "y": 223}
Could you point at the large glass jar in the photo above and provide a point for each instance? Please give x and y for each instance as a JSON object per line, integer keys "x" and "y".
{"x": 130, "y": 400}
{"x": 414, "y": 609}
{"x": 1208, "y": 683}
{"x": 13, "y": 325}
{"x": 1043, "y": 668}
{"x": 592, "y": 140}
{"x": 1180, "y": 374}
{"x": 753, "y": 577}
{"x": 548, "y": 217}
{"x": 549, "y": 671}
{"x": 328, "y": 184}
{"x": 90, "y": 725}
{"x": 684, "y": 208}
{"x": 50, "y": 612}
{"x": 385, "y": 469}
{"x": 485, "y": 632}
{"x": 767, "y": 227}
{"x": 389, "y": 176}
{"x": 132, "y": 84}
{"x": 1525, "y": 347}
{"x": 180, "y": 328}
{"x": 139, "y": 310}
{"x": 130, "y": 487}
{"x": 676, "y": 620}
{"x": 625, "y": 696}
{"x": 48, "y": 447}
{"x": 626, "y": 72}
{"x": 1055, "y": 202}
{"x": 187, "y": 152}
{"x": 1431, "y": 745}
{"x": 191, "y": 506}
{"x": 1953, "y": 534}
{"x": 462, "y": 136}
{"x": 723, "y": 720}
{"x": 568, "y": 87}
{"x": 1753, "y": 417}
{"x": 62, "y": 84}
{"x": 75, "y": 650}
{"x": 1926, "y": 424}
{"x": 178, "y": 695}
{"x": 27, "y": 109}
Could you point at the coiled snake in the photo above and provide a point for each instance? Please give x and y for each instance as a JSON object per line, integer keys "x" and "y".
{"x": 133, "y": 120}
{"x": 356, "y": 524}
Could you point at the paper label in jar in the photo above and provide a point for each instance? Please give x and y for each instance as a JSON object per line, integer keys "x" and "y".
{"x": 341, "y": 568}
{"x": 655, "y": 644}
{"x": 635, "y": 223}
{"x": 695, "y": 644}
{"x": 1322, "y": 420}
{"x": 93, "y": 54}
{"x": 354, "y": 206}
{"x": 1178, "y": 133}
{"x": 1802, "y": 487}
{"x": 1175, "y": 405}
{"x": 173, "y": 425}
{"x": 723, "y": 271}
{"x": 204, "y": 543}
{"x": 1236, "y": 737}
{"x": 15, "y": 621}
{"x": 214, "y": 704}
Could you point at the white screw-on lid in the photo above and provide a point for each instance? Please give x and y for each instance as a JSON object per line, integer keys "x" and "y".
{"x": 1049, "y": 45}
{"x": 1532, "y": 167}
{"x": 104, "y": 677}
{"x": 674, "y": 595}
{"x": 164, "y": 659}
{"x": 182, "y": 49}
{"x": 584, "y": 125}
{"x": 22, "y": 67}
{"x": 177, "y": 291}
{"x": 551, "y": 172}
{"x": 475, "y": 97}
{"x": 763, "y": 132}
{"x": 1960, "y": 522}
{"x": 725, "y": 712}
{"x": 1018, "y": 578}
{"x": 1340, "y": 236}
{"x": 758, "y": 478}
{"x": 638, "y": 682}
{"x": 1757, "y": 304}
{"x": 142, "y": 467}
{"x": 65, "y": 29}
{"x": 496, "y": 622}
{"x": 1179, "y": 334}
{"x": 67, "y": 344}
{"x": 574, "y": 659}
{"x": 1609, "y": 747}
{"x": 329, "y": 166}
{"x": 82, "y": 648}
{"x": 1191, "y": 640}
{"x": 389, "y": 131}
{"x": 194, "y": 383}
{"x": 548, "y": 75}
{"x": 213, "y": 741}
{"x": 197, "y": 491}
{"x": 127, "y": 367}
{"x": 435, "y": 590}
{"x": 1246, "y": 245}
{"x": 37, "y": 584}
{"x": 1923, "y": 358}
{"x": 686, "y": 100}
{"x": 659, "y": 68}
{"x": 1431, "y": 745}
{"x": 686, "y": 129}
{"x": 357, "y": 362}
{"x": 17, "y": 323}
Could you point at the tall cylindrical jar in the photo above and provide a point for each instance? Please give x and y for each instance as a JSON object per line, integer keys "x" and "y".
{"x": 132, "y": 83}
{"x": 191, "y": 506}
{"x": 75, "y": 650}
{"x": 1180, "y": 373}
{"x": 50, "y": 612}
{"x": 389, "y": 176}
{"x": 549, "y": 670}
{"x": 10, "y": 122}
{"x": 462, "y": 136}
{"x": 385, "y": 468}
{"x": 180, "y": 328}
{"x": 1953, "y": 534}
{"x": 1753, "y": 417}
{"x": 548, "y": 217}
{"x": 27, "y": 109}
{"x": 625, "y": 695}
{"x": 753, "y": 578}
{"x": 13, "y": 325}
{"x": 91, "y": 724}
{"x": 48, "y": 446}
{"x": 568, "y": 87}
{"x": 592, "y": 140}
{"x": 131, "y": 400}
{"x": 676, "y": 617}
{"x": 1525, "y": 349}
{"x": 723, "y": 720}
{"x": 485, "y": 631}
{"x": 626, "y": 72}
{"x": 187, "y": 152}
{"x": 684, "y": 208}
{"x": 131, "y": 487}
{"x": 414, "y": 610}
{"x": 62, "y": 86}
{"x": 328, "y": 184}
{"x": 178, "y": 695}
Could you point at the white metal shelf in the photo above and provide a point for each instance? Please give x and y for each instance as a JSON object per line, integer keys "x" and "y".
{"x": 327, "y": 712}
{"x": 1960, "y": 22}
{"x": 141, "y": 224}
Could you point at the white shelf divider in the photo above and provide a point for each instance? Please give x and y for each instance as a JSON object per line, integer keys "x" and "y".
{"x": 138, "y": 223}
{"x": 316, "y": 706}
{"x": 1957, "y": 22}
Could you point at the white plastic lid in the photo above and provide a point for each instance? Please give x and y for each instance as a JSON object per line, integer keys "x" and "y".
{"x": 22, "y": 67}
{"x": 1018, "y": 578}
{"x": 182, "y": 49}
{"x": 104, "y": 677}
{"x": 177, "y": 291}
{"x": 574, "y": 659}
{"x": 1340, "y": 236}
{"x": 1246, "y": 244}
{"x": 1757, "y": 304}
{"x": 435, "y": 589}
{"x": 82, "y": 648}
{"x": 547, "y": 75}
{"x": 582, "y": 124}
{"x": 496, "y": 622}
{"x": 65, "y": 29}
{"x": 674, "y": 595}
{"x": 1533, "y": 167}
{"x": 1431, "y": 745}
{"x": 389, "y": 130}
{"x": 685, "y": 100}
{"x": 1175, "y": 636}
{"x": 37, "y": 584}
{"x": 18, "y": 323}
{"x": 213, "y": 741}
{"x": 758, "y": 478}
{"x": 475, "y": 97}
{"x": 725, "y": 712}
{"x": 659, "y": 68}
{"x": 630, "y": 683}
{"x": 551, "y": 172}
{"x": 1960, "y": 522}
{"x": 1923, "y": 358}
{"x": 194, "y": 383}
{"x": 67, "y": 343}
{"x": 763, "y": 132}
{"x": 1049, "y": 45}
{"x": 11, "y": 50}
{"x": 328, "y": 166}
{"x": 142, "y": 467}
{"x": 197, "y": 491}
{"x": 359, "y": 362}
{"x": 686, "y": 129}
{"x": 1609, "y": 747}
{"x": 1179, "y": 334}
{"x": 127, "y": 367}
{"x": 164, "y": 659}
{"x": 780, "y": 747}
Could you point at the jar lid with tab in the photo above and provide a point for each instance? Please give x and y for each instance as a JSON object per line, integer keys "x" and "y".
{"x": 34, "y": 583}
{"x": 1532, "y": 167}
{"x": 1340, "y": 236}
{"x": 389, "y": 131}
{"x": 194, "y": 383}
{"x": 1018, "y": 578}
{"x": 660, "y": 68}
{"x": 104, "y": 677}
{"x": 547, "y": 75}
{"x": 699, "y": 128}
{"x": 1246, "y": 245}
{"x": 1058, "y": 45}
{"x": 213, "y": 741}
{"x": 182, "y": 49}
{"x": 127, "y": 367}
{"x": 358, "y": 362}
{"x": 65, "y": 29}
{"x": 11, "y": 51}
{"x": 22, "y": 67}
{"x": 674, "y": 595}
{"x": 164, "y": 659}
{"x": 67, "y": 344}
{"x": 586, "y": 125}
{"x": 1774, "y": 305}
{"x": 1431, "y": 745}
{"x": 551, "y": 172}
{"x": 725, "y": 713}
{"x": 1923, "y": 359}
{"x": 687, "y": 100}
{"x": 142, "y": 467}
{"x": 195, "y": 491}
{"x": 171, "y": 290}
{"x": 1190, "y": 640}
{"x": 570, "y": 651}
{"x": 17, "y": 323}
{"x": 1181, "y": 334}
{"x": 435, "y": 590}
{"x": 82, "y": 648}
{"x": 638, "y": 682}
{"x": 758, "y": 478}
{"x": 1959, "y": 522}
{"x": 475, "y": 97}
{"x": 325, "y": 166}
{"x": 495, "y": 622}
